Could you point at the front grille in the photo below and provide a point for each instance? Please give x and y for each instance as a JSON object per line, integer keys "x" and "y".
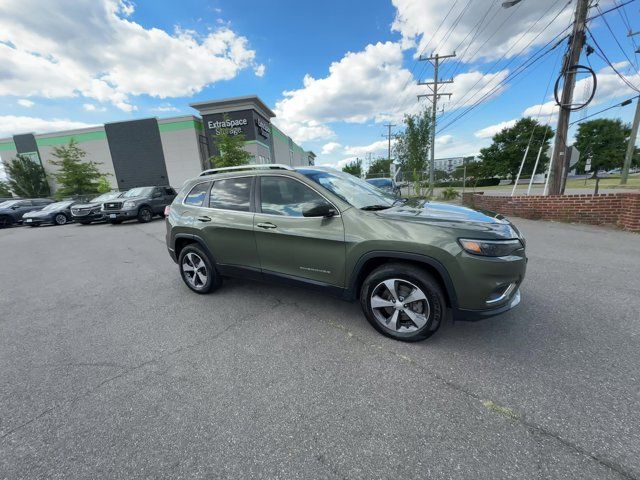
{"x": 113, "y": 206}
{"x": 80, "y": 212}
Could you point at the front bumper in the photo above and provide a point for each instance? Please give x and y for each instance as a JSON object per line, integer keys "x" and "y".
{"x": 89, "y": 217}
{"x": 464, "y": 315}
{"x": 36, "y": 221}
{"x": 120, "y": 214}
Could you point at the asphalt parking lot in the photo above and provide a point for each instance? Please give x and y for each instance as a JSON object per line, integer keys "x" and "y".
{"x": 111, "y": 368}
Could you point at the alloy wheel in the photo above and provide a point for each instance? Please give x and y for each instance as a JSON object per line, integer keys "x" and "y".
{"x": 195, "y": 270}
{"x": 61, "y": 219}
{"x": 399, "y": 305}
{"x": 146, "y": 215}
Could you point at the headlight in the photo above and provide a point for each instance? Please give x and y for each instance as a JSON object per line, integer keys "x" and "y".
{"x": 490, "y": 248}
{"x": 129, "y": 204}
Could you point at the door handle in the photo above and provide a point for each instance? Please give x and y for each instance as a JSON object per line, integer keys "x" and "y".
{"x": 266, "y": 225}
{"x": 204, "y": 219}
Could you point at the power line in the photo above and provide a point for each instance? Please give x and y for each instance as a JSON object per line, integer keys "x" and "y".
{"x": 459, "y": 102}
{"x": 600, "y": 52}
{"x": 616, "y": 38}
{"x": 456, "y": 65}
{"x": 521, "y": 68}
{"x": 624, "y": 103}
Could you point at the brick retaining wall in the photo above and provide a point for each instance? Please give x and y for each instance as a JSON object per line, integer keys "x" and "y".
{"x": 619, "y": 209}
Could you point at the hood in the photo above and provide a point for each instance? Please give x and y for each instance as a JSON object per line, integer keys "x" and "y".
{"x": 452, "y": 216}
{"x": 39, "y": 214}
{"x": 87, "y": 205}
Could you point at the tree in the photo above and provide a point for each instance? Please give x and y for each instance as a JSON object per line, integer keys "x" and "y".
{"x": 230, "y": 144}
{"x": 354, "y": 168}
{"x": 4, "y": 189}
{"x": 26, "y": 177}
{"x": 75, "y": 176}
{"x": 380, "y": 167}
{"x": 503, "y": 157}
{"x": 604, "y": 140}
{"x": 412, "y": 145}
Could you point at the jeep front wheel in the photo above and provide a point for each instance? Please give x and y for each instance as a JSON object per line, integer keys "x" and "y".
{"x": 403, "y": 302}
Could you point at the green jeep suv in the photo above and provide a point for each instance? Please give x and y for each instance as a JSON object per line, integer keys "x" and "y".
{"x": 408, "y": 262}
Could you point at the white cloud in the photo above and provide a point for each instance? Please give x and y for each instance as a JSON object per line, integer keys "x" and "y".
{"x": 330, "y": 147}
{"x": 491, "y": 130}
{"x": 165, "y": 107}
{"x": 501, "y": 31}
{"x": 90, "y": 107}
{"x": 444, "y": 140}
{"x": 11, "y": 125}
{"x": 376, "y": 148}
{"x": 25, "y": 103}
{"x": 360, "y": 87}
{"x": 92, "y": 49}
{"x": 259, "y": 70}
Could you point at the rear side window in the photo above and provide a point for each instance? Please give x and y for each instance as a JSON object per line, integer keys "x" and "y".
{"x": 231, "y": 194}
{"x": 197, "y": 195}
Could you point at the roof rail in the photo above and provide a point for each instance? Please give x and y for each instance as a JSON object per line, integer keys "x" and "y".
{"x": 266, "y": 166}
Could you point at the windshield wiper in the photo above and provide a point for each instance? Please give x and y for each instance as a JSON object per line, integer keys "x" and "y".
{"x": 375, "y": 207}
{"x": 400, "y": 201}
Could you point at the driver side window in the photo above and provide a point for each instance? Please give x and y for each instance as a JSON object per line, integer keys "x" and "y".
{"x": 285, "y": 196}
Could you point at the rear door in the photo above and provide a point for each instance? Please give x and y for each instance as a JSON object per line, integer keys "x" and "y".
{"x": 169, "y": 195}
{"x": 309, "y": 248}
{"x": 157, "y": 200}
{"x": 226, "y": 223}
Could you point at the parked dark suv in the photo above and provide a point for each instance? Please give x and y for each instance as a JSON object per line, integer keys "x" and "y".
{"x": 85, "y": 213}
{"x": 11, "y": 211}
{"x": 140, "y": 203}
{"x": 408, "y": 262}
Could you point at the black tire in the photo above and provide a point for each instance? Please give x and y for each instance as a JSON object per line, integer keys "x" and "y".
{"x": 408, "y": 278}
{"x": 145, "y": 215}
{"x": 187, "y": 256}
{"x": 5, "y": 221}
{"x": 60, "y": 219}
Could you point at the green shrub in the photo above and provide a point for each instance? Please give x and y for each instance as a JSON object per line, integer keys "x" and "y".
{"x": 449, "y": 193}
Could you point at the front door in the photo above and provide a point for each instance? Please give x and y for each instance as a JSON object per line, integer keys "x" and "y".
{"x": 310, "y": 248}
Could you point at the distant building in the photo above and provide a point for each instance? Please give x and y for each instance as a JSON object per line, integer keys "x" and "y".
{"x": 167, "y": 151}
{"x": 450, "y": 164}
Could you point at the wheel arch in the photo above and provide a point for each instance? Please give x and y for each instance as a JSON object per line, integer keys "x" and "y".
{"x": 372, "y": 260}
{"x": 183, "y": 239}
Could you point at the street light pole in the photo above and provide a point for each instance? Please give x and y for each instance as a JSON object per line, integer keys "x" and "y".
{"x": 631, "y": 147}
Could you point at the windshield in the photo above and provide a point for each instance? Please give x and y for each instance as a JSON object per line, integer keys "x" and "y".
{"x": 56, "y": 206}
{"x": 380, "y": 182}
{"x": 105, "y": 196}
{"x": 8, "y": 203}
{"x": 138, "y": 192}
{"x": 351, "y": 189}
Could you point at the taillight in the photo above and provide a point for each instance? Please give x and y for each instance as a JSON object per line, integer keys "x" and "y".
{"x": 167, "y": 210}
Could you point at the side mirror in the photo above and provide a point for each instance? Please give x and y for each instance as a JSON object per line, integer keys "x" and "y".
{"x": 319, "y": 210}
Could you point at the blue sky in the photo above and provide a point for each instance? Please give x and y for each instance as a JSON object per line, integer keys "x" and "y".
{"x": 333, "y": 71}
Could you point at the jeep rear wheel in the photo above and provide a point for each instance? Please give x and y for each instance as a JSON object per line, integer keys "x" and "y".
{"x": 403, "y": 302}
{"x": 197, "y": 270}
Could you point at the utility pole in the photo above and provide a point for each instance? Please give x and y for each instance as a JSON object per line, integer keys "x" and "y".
{"x": 631, "y": 148}
{"x": 559, "y": 160}
{"x": 435, "y": 96}
{"x": 389, "y": 126}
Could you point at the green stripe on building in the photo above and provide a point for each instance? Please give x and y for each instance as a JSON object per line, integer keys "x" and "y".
{"x": 173, "y": 126}
{"x": 258, "y": 142}
{"x": 65, "y": 139}
{"x": 7, "y": 146}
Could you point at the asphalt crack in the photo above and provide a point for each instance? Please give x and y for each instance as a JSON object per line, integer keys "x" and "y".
{"x": 505, "y": 412}
{"x": 122, "y": 374}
